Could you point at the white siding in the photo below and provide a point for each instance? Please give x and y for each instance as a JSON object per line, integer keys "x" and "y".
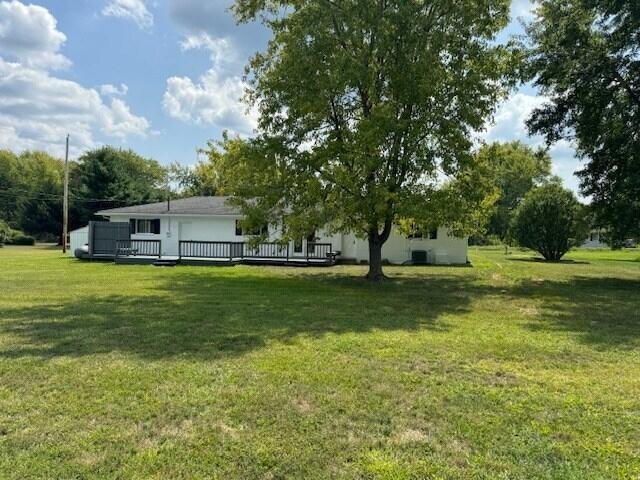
{"x": 174, "y": 228}
{"x": 594, "y": 240}
{"x": 397, "y": 250}
{"x": 78, "y": 238}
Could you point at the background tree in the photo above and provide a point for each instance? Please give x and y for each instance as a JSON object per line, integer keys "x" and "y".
{"x": 550, "y": 221}
{"x": 40, "y": 187}
{"x": 109, "y": 177}
{"x": 30, "y": 193}
{"x": 585, "y": 55}
{"x": 365, "y": 106}
{"x": 200, "y": 179}
{"x": 516, "y": 169}
{"x": 8, "y": 186}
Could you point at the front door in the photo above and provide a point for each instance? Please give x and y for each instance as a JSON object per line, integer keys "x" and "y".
{"x": 185, "y": 231}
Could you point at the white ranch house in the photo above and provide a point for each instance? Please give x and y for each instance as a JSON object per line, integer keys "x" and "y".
{"x": 208, "y": 228}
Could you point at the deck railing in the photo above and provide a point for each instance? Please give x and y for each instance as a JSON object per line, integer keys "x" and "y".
{"x": 266, "y": 250}
{"x": 317, "y": 251}
{"x": 138, "y": 248}
{"x": 197, "y": 249}
{"x": 241, "y": 250}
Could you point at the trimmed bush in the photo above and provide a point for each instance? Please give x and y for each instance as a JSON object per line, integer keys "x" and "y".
{"x": 9, "y": 236}
{"x": 21, "y": 239}
{"x": 550, "y": 221}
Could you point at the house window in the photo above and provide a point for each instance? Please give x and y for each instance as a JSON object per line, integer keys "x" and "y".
{"x": 418, "y": 234}
{"x": 145, "y": 225}
{"x": 259, "y": 231}
{"x": 297, "y": 244}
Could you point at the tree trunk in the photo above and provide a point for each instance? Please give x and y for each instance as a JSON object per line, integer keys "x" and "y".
{"x": 375, "y": 261}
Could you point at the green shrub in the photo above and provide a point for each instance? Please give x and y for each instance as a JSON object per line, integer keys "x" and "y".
{"x": 20, "y": 238}
{"x": 4, "y": 232}
{"x": 9, "y": 236}
{"x": 485, "y": 240}
{"x": 550, "y": 221}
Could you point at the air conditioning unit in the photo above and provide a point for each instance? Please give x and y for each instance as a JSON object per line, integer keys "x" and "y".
{"x": 419, "y": 257}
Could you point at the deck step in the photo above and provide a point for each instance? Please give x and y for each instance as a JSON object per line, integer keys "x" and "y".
{"x": 165, "y": 263}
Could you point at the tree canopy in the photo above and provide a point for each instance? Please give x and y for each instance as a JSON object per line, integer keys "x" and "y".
{"x": 367, "y": 111}
{"x": 109, "y": 177}
{"x": 585, "y": 56}
{"x": 31, "y": 192}
{"x": 201, "y": 179}
{"x": 516, "y": 168}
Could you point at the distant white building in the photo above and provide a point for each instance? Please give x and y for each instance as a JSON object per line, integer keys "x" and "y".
{"x": 595, "y": 240}
{"x": 203, "y": 227}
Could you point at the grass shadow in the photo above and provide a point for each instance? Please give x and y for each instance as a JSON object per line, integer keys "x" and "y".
{"x": 200, "y": 314}
{"x": 543, "y": 261}
{"x": 604, "y": 312}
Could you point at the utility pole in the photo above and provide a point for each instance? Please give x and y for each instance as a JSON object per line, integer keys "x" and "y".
{"x": 65, "y": 199}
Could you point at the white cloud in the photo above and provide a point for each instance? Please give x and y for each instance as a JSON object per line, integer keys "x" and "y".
{"x": 510, "y": 124}
{"x": 522, "y": 9}
{"x": 37, "y": 110}
{"x": 109, "y": 90}
{"x": 211, "y": 101}
{"x": 510, "y": 118}
{"x": 29, "y": 35}
{"x": 220, "y": 50}
{"x": 118, "y": 121}
{"x": 215, "y": 97}
{"x": 134, "y": 10}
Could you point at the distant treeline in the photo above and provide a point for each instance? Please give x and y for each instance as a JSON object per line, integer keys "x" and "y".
{"x": 31, "y": 187}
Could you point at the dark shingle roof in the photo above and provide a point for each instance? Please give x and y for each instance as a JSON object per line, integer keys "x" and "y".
{"x": 183, "y": 206}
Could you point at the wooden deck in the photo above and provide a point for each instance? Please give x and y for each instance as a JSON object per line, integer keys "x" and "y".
{"x": 223, "y": 253}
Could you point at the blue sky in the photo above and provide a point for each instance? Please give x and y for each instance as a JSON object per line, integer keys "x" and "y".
{"x": 161, "y": 77}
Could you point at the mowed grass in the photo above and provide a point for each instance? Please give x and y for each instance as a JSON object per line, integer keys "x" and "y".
{"x": 511, "y": 369}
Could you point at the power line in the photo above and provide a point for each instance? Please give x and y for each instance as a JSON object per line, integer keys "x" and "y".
{"x": 53, "y": 196}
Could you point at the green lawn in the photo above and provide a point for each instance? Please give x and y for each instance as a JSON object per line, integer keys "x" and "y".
{"x": 509, "y": 369}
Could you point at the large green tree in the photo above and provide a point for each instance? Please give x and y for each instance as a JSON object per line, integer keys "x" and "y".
{"x": 367, "y": 109}
{"x": 109, "y": 177}
{"x": 516, "y": 168}
{"x": 585, "y": 55}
